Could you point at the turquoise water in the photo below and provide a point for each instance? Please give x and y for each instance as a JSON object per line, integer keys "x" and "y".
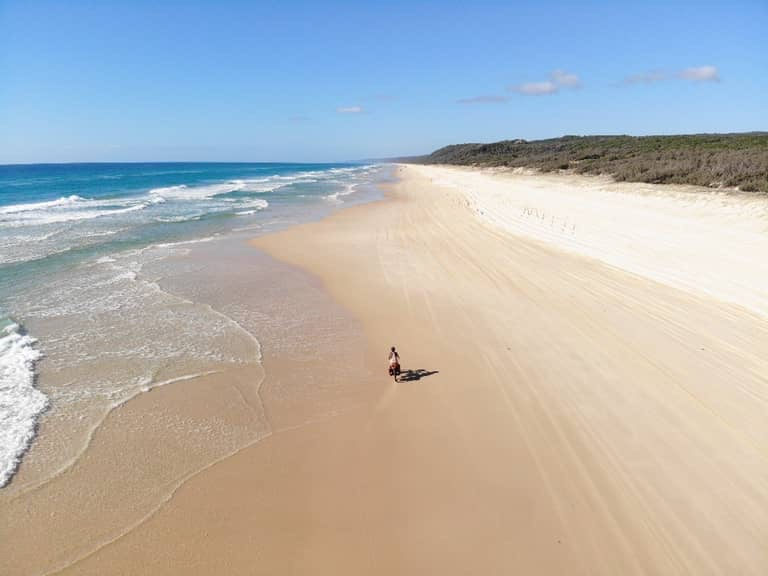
{"x": 49, "y": 210}
{"x": 97, "y": 268}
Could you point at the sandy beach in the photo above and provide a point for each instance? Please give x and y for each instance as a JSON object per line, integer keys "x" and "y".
{"x": 583, "y": 395}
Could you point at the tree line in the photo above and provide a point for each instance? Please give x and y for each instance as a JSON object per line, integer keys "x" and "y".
{"x": 713, "y": 160}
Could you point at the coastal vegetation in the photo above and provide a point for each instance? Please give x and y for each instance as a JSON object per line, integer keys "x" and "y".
{"x": 714, "y": 160}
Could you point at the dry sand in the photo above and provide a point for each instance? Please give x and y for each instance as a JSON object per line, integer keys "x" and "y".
{"x": 696, "y": 239}
{"x": 575, "y": 419}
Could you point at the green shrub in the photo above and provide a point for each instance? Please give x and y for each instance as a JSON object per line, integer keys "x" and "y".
{"x": 731, "y": 160}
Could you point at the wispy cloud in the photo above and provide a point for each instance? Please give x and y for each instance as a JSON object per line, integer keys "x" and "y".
{"x": 693, "y": 74}
{"x": 562, "y": 78}
{"x": 700, "y": 74}
{"x": 558, "y": 79}
{"x": 536, "y": 88}
{"x": 486, "y": 99}
{"x": 349, "y": 109}
{"x": 646, "y": 77}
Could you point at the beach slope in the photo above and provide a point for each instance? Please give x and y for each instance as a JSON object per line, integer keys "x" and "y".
{"x": 560, "y": 416}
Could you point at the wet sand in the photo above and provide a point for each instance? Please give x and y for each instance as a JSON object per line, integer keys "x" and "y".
{"x": 562, "y": 417}
{"x": 145, "y": 448}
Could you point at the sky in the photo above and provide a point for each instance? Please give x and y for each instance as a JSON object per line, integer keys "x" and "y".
{"x": 334, "y": 81}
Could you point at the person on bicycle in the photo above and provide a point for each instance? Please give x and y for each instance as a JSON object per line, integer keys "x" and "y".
{"x": 394, "y": 359}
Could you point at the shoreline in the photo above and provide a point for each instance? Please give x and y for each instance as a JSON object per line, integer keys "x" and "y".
{"x": 564, "y": 416}
{"x": 112, "y": 302}
{"x": 543, "y": 439}
{"x": 142, "y": 450}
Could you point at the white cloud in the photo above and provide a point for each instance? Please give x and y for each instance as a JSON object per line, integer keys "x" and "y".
{"x": 349, "y": 109}
{"x": 562, "y": 78}
{"x": 558, "y": 79}
{"x": 646, "y": 77}
{"x": 536, "y": 88}
{"x": 486, "y": 99}
{"x": 694, "y": 74}
{"x": 700, "y": 74}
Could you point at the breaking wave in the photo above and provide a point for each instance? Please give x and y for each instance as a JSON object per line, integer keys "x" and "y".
{"x": 20, "y": 402}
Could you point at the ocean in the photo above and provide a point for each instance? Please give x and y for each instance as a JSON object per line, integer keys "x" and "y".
{"x": 112, "y": 284}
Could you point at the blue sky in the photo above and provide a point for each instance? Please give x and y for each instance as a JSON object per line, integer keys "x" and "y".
{"x": 325, "y": 81}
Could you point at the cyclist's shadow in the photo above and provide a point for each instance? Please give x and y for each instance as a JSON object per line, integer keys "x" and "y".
{"x": 414, "y": 375}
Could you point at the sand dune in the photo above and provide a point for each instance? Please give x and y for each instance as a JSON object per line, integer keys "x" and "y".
{"x": 576, "y": 419}
{"x": 691, "y": 238}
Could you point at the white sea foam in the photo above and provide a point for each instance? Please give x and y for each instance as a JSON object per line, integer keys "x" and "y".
{"x": 255, "y": 204}
{"x": 344, "y": 170}
{"x": 180, "y": 218}
{"x": 275, "y": 182}
{"x": 337, "y": 196}
{"x": 258, "y": 185}
{"x": 181, "y": 243}
{"x": 64, "y": 201}
{"x": 160, "y": 194}
{"x": 56, "y": 213}
{"x": 20, "y": 402}
{"x": 184, "y": 192}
